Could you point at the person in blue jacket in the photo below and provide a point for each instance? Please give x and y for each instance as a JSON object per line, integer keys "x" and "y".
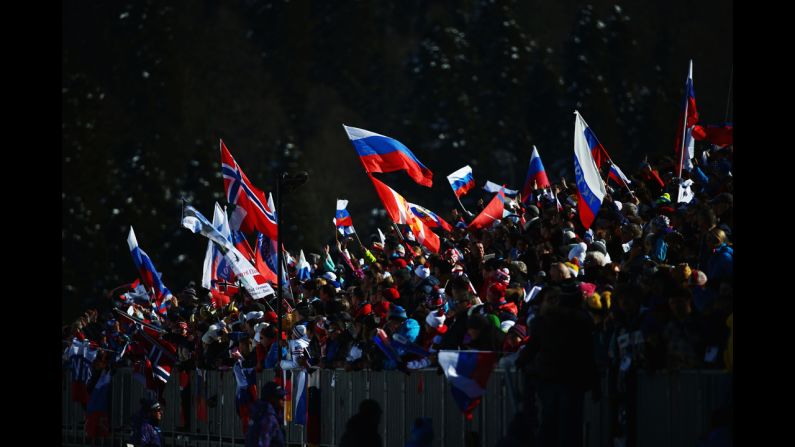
{"x": 146, "y": 424}
{"x": 720, "y": 265}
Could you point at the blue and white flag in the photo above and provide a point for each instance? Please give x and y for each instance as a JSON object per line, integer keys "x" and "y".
{"x": 215, "y": 265}
{"x": 589, "y": 182}
{"x": 304, "y": 269}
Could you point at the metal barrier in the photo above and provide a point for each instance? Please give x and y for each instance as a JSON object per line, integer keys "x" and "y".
{"x": 673, "y": 408}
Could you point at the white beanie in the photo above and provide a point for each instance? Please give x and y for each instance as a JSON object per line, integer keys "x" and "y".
{"x": 506, "y": 325}
{"x": 211, "y": 335}
{"x": 435, "y": 319}
{"x": 257, "y": 329}
{"x": 422, "y": 271}
{"x": 329, "y": 276}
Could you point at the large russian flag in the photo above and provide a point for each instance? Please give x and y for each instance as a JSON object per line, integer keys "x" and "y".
{"x": 461, "y": 181}
{"x": 400, "y": 213}
{"x": 591, "y": 189}
{"x": 684, "y": 129}
{"x": 536, "y": 176}
{"x": 468, "y": 372}
{"x": 383, "y": 154}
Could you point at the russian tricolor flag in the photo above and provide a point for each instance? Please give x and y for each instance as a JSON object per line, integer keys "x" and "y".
{"x": 536, "y": 176}
{"x": 589, "y": 183}
{"x": 383, "y": 154}
{"x": 342, "y": 219}
{"x": 690, "y": 113}
{"x": 468, "y": 372}
{"x": 618, "y": 176}
{"x": 146, "y": 269}
{"x": 461, "y": 181}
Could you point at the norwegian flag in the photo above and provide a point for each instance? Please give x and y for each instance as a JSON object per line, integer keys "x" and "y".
{"x": 252, "y": 212}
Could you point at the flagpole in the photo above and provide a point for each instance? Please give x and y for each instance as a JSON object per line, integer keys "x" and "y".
{"x": 400, "y": 235}
{"x": 356, "y": 233}
{"x": 462, "y": 205}
{"x": 684, "y": 123}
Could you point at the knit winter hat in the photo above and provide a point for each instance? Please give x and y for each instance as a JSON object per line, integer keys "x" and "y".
{"x": 573, "y": 266}
{"x": 503, "y": 276}
{"x": 435, "y": 319}
{"x": 506, "y": 325}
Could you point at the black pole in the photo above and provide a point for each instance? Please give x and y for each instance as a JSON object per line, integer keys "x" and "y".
{"x": 279, "y": 261}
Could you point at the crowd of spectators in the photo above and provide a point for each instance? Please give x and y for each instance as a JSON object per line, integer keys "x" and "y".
{"x": 648, "y": 287}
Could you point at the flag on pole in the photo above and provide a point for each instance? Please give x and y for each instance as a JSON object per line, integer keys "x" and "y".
{"x": 149, "y": 275}
{"x": 342, "y": 219}
{"x": 687, "y": 120}
{"x": 719, "y": 135}
{"x": 617, "y": 175}
{"x": 591, "y": 189}
{"x": 256, "y": 285}
{"x": 400, "y": 213}
{"x": 492, "y": 213}
{"x": 536, "y": 176}
{"x": 429, "y": 217}
{"x": 461, "y": 181}
{"x": 215, "y": 265}
{"x": 468, "y": 373}
{"x": 304, "y": 270}
{"x": 380, "y": 153}
{"x": 381, "y": 236}
{"x": 252, "y": 212}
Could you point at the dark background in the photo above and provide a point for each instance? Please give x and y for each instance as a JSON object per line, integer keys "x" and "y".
{"x": 149, "y": 88}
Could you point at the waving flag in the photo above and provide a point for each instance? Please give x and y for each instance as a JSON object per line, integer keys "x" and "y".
{"x": 256, "y": 285}
{"x": 304, "y": 270}
{"x": 720, "y": 135}
{"x": 461, "y": 181}
{"x": 429, "y": 217}
{"x": 252, "y": 212}
{"x": 685, "y": 124}
{"x": 266, "y": 259}
{"x": 379, "y": 153}
{"x": 494, "y": 188}
{"x": 618, "y": 176}
{"x": 536, "y": 176}
{"x": 162, "y": 354}
{"x": 146, "y": 269}
{"x": 400, "y": 213}
{"x": 468, "y": 373}
{"x": 492, "y": 213}
{"x": 586, "y": 172}
{"x": 216, "y": 267}
{"x": 342, "y": 219}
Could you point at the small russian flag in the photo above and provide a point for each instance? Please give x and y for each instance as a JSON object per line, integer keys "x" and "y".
{"x": 461, "y": 181}
{"x": 343, "y": 219}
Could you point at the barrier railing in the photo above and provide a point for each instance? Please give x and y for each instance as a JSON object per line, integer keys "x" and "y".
{"x": 673, "y": 408}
